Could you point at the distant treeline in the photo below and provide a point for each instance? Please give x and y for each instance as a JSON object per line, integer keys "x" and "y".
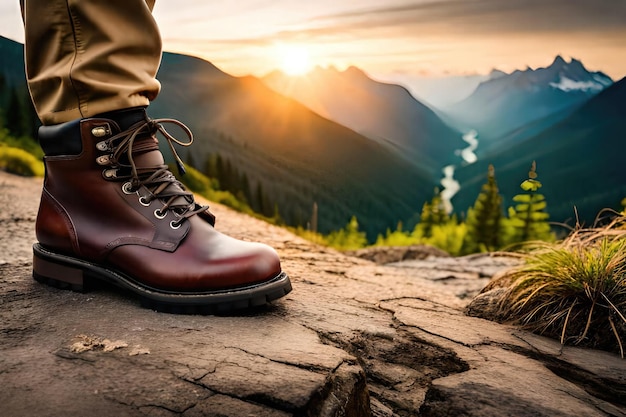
{"x": 17, "y": 113}
{"x": 229, "y": 178}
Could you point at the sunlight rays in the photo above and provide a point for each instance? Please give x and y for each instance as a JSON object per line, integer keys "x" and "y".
{"x": 294, "y": 60}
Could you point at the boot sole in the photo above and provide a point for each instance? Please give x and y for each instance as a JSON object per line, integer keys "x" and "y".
{"x": 65, "y": 272}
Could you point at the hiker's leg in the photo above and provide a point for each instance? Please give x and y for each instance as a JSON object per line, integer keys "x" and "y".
{"x": 89, "y": 57}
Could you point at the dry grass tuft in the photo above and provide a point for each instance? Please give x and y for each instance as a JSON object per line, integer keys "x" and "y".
{"x": 574, "y": 290}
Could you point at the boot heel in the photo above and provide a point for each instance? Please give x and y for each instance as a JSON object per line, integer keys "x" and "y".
{"x": 57, "y": 275}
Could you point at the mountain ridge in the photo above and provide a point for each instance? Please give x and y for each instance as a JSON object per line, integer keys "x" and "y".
{"x": 385, "y": 112}
{"x": 502, "y": 104}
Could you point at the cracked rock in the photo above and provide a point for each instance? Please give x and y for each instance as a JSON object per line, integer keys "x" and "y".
{"x": 354, "y": 338}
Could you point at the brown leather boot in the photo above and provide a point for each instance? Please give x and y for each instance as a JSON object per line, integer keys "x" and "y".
{"x": 111, "y": 210}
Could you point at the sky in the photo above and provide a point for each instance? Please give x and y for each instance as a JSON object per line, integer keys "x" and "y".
{"x": 388, "y": 39}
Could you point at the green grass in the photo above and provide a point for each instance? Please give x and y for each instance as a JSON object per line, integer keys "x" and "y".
{"x": 575, "y": 290}
{"x": 20, "y": 162}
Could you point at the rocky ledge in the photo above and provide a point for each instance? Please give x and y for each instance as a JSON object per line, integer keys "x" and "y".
{"x": 354, "y": 338}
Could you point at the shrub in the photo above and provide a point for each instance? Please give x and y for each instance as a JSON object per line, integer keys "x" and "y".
{"x": 397, "y": 238}
{"x": 448, "y": 237}
{"x": 26, "y": 143}
{"x": 348, "y": 238}
{"x": 18, "y": 161}
{"x": 575, "y": 290}
{"x": 309, "y": 235}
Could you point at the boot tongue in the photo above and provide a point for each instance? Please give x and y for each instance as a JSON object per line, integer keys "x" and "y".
{"x": 146, "y": 153}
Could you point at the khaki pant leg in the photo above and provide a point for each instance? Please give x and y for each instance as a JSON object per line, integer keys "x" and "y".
{"x": 85, "y": 57}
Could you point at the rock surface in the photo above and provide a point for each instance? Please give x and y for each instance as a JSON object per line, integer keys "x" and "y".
{"x": 354, "y": 338}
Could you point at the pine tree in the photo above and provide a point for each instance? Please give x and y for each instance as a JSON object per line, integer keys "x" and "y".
{"x": 314, "y": 215}
{"x": 245, "y": 188}
{"x": 483, "y": 222}
{"x": 433, "y": 213}
{"x": 14, "y": 115}
{"x": 3, "y": 100}
{"x": 528, "y": 220}
{"x": 210, "y": 166}
{"x": 262, "y": 204}
{"x": 191, "y": 161}
{"x": 30, "y": 119}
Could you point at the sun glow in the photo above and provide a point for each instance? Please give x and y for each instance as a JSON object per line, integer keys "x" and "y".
{"x": 295, "y": 60}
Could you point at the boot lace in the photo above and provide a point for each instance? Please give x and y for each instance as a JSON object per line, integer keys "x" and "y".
{"x": 162, "y": 185}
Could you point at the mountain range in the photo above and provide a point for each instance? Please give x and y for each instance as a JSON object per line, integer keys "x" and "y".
{"x": 440, "y": 91}
{"x": 503, "y": 104}
{"x": 554, "y": 115}
{"x": 384, "y": 112}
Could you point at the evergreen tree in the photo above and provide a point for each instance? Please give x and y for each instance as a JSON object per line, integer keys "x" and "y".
{"x": 14, "y": 115}
{"x": 219, "y": 170}
{"x": 30, "y": 119}
{"x": 210, "y": 166}
{"x": 245, "y": 187}
{"x": 484, "y": 218}
{"x": 226, "y": 176}
{"x": 3, "y": 100}
{"x": 18, "y": 114}
{"x": 528, "y": 220}
{"x": 276, "y": 217}
{"x": 314, "y": 214}
{"x": 191, "y": 160}
{"x": 433, "y": 213}
{"x": 262, "y": 203}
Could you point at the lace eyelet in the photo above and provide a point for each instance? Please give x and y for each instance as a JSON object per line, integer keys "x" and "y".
{"x": 109, "y": 173}
{"x": 101, "y": 131}
{"x": 102, "y": 146}
{"x": 127, "y": 188}
{"x": 103, "y": 160}
{"x": 159, "y": 214}
{"x": 143, "y": 202}
{"x": 174, "y": 225}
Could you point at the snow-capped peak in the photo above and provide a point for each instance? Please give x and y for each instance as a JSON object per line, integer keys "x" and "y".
{"x": 567, "y": 84}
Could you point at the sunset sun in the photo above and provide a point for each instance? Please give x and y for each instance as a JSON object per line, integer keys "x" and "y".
{"x": 294, "y": 60}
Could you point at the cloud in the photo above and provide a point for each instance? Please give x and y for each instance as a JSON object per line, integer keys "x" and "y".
{"x": 326, "y": 21}
{"x": 400, "y": 35}
{"x": 485, "y": 16}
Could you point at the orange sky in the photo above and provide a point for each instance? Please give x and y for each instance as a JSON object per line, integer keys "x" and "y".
{"x": 401, "y": 37}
